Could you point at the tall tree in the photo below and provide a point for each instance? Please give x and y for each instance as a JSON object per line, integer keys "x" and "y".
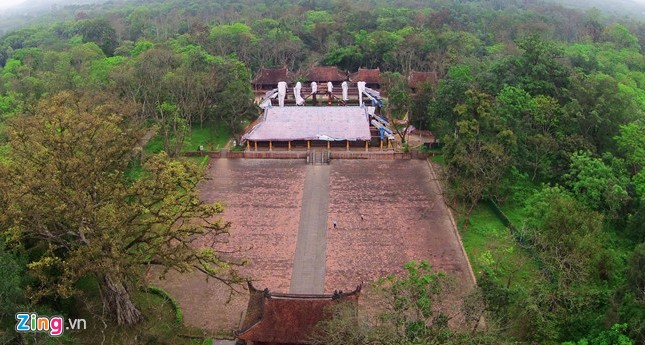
{"x": 478, "y": 155}
{"x": 99, "y": 31}
{"x": 399, "y": 103}
{"x": 68, "y": 196}
{"x": 234, "y": 98}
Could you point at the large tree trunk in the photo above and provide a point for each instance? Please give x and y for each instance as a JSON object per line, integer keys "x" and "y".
{"x": 116, "y": 299}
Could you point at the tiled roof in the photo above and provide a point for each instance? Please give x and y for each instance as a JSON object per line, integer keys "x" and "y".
{"x": 269, "y": 76}
{"x": 287, "y": 318}
{"x": 325, "y": 74}
{"x": 312, "y": 123}
{"x": 370, "y": 76}
{"x": 416, "y": 78}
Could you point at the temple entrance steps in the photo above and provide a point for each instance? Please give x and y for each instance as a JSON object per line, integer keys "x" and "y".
{"x": 318, "y": 157}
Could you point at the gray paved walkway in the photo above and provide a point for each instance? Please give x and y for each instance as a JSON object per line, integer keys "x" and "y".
{"x": 308, "y": 275}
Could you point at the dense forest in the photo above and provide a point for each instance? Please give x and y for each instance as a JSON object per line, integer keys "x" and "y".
{"x": 540, "y": 110}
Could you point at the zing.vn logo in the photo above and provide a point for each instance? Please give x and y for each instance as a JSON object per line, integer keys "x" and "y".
{"x": 55, "y": 325}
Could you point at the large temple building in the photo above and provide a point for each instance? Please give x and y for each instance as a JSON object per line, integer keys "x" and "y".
{"x": 322, "y": 107}
{"x": 291, "y": 127}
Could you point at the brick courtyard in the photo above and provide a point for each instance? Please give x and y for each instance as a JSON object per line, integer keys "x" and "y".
{"x": 403, "y": 219}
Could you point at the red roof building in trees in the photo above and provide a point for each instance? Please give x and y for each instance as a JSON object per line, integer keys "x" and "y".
{"x": 268, "y": 78}
{"x": 371, "y": 77}
{"x": 416, "y": 78}
{"x": 324, "y": 74}
{"x": 277, "y": 319}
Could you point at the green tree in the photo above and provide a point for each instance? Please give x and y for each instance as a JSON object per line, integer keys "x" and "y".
{"x": 408, "y": 311}
{"x": 235, "y": 38}
{"x": 99, "y": 31}
{"x": 598, "y": 107}
{"x": 596, "y": 185}
{"x": 441, "y": 112}
{"x": 568, "y": 241}
{"x": 614, "y": 336}
{"x": 631, "y": 143}
{"x": 399, "y": 102}
{"x": 234, "y": 98}
{"x": 12, "y": 269}
{"x": 566, "y": 234}
{"x": 85, "y": 218}
{"x": 478, "y": 154}
{"x": 537, "y": 70}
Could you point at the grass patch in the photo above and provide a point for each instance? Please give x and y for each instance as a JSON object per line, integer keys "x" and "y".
{"x": 212, "y": 136}
{"x": 490, "y": 245}
{"x": 439, "y": 159}
{"x": 201, "y": 162}
{"x": 520, "y": 192}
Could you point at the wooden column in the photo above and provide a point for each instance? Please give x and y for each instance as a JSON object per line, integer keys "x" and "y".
{"x": 289, "y": 145}
{"x": 248, "y": 145}
{"x": 270, "y": 145}
{"x": 389, "y": 144}
{"x": 347, "y": 144}
{"x": 255, "y": 143}
{"x": 308, "y": 144}
{"x": 328, "y": 145}
{"x": 381, "y": 144}
{"x": 367, "y": 143}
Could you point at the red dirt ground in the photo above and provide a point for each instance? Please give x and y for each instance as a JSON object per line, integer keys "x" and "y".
{"x": 404, "y": 219}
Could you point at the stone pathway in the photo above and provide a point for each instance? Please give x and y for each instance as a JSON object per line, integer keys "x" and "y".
{"x": 308, "y": 275}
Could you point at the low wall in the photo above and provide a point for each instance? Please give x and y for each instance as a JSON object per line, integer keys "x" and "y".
{"x": 211, "y": 154}
{"x": 369, "y": 155}
{"x": 268, "y": 154}
{"x": 303, "y": 155}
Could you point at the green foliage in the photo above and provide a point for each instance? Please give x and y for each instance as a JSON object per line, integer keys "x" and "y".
{"x": 166, "y": 296}
{"x": 452, "y": 88}
{"x": 614, "y": 336}
{"x": 516, "y": 108}
{"x": 631, "y": 143}
{"x": 478, "y": 155}
{"x": 99, "y": 31}
{"x": 91, "y": 219}
{"x": 566, "y": 234}
{"x": 595, "y": 184}
{"x": 408, "y": 310}
{"x": 140, "y": 47}
{"x": 12, "y": 270}
{"x": 537, "y": 70}
{"x": 348, "y": 58}
{"x": 212, "y": 136}
{"x": 620, "y": 37}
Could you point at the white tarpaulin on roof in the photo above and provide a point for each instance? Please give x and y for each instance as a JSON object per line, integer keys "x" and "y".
{"x": 312, "y": 123}
{"x": 345, "y": 88}
{"x": 296, "y": 93}
{"x": 282, "y": 93}
{"x": 361, "y": 89}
